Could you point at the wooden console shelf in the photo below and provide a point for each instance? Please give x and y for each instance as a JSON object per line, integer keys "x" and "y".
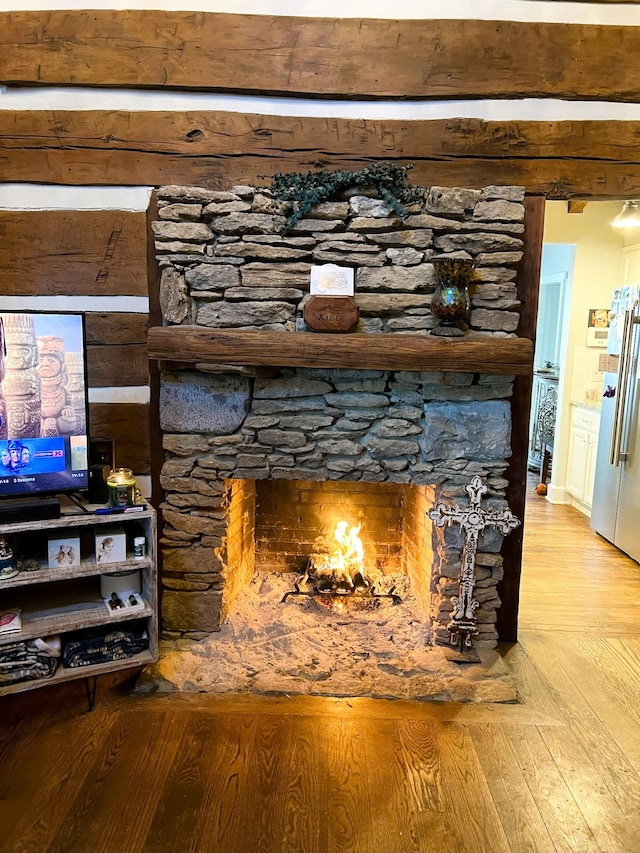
{"x": 471, "y": 354}
{"x": 63, "y": 600}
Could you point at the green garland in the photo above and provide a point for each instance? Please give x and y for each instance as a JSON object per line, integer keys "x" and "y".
{"x": 300, "y": 191}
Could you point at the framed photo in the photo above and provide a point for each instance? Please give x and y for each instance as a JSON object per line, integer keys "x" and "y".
{"x": 598, "y": 318}
{"x": 64, "y": 551}
{"x": 332, "y": 280}
{"x": 111, "y": 545}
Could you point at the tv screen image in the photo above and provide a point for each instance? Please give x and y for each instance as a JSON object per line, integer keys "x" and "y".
{"x": 43, "y": 403}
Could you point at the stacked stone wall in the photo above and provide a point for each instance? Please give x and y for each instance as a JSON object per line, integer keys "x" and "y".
{"x": 228, "y": 262}
{"x": 414, "y": 428}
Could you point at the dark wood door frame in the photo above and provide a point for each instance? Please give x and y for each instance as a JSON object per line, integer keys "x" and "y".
{"x": 528, "y": 291}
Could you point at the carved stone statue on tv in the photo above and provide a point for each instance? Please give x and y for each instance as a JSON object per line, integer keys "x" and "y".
{"x": 21, "y": 384}
{"x": 3, "y": 369}
{"x": 75, "y": 387}
{"x": 58, "y": 414}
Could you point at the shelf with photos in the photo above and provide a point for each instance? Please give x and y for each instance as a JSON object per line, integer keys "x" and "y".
{"x": 64, "y": 622}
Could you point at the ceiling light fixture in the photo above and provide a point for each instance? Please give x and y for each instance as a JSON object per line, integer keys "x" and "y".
{"x": 629, "y": 216}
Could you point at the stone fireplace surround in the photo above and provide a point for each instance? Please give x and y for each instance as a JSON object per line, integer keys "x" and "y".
{"x": 244, "y": 446}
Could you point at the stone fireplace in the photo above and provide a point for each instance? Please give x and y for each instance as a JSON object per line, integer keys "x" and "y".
{"x": 262, "y": 451}
{"x": 295, "y": 450}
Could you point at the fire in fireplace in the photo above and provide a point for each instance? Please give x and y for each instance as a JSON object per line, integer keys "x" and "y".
{"x": 337, "y": 569}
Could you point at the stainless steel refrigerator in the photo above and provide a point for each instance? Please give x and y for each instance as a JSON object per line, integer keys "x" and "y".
{"x": 615, "y": 512}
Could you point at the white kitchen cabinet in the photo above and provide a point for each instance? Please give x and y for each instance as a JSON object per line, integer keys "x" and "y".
{"x": 581, "y": 464}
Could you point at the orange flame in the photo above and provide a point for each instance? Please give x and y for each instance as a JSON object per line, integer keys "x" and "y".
{"x": 346, "y": 560}
{"x": 350, "y": 553}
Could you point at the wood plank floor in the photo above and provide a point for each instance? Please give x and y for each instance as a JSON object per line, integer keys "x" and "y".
{"x": 558, "y": 772}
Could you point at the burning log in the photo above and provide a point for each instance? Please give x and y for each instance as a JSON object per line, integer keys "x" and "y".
{"x": 339, "y": 569}
{"x": 336, "y": 568}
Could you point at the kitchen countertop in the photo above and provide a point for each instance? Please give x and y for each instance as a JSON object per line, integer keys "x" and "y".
{"x": 587, "y": 404}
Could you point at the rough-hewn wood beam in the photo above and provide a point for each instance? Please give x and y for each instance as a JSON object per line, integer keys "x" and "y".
{"x": 478, "y": 354}
{"x": 576, "y": 206}
{"x": 79, "y": 252}
{"x": 128, "y": 425}
{"x": 516, "y": 474}
{"x": 117, "y": 349}
{"x": 206, "y": 133}
{"x": 318, "y": 57}
{"x": 588, "y": 159}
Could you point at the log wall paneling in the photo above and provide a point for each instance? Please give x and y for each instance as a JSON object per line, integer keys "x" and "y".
{"x": 321, "y": 57}
{"x": 585, "y": 159}
{"x": 99, "y": 252}
{"x": 108, "y": 329}
{"x": 79, "y": 252}
{"x": 117, "y": 349}
{"x": 128, "y": 425}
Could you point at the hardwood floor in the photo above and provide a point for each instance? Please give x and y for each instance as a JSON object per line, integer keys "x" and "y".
{"x": 559, "y": 772}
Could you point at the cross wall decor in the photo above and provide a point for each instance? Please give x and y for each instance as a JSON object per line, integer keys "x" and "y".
{"x": 473, "y": 519}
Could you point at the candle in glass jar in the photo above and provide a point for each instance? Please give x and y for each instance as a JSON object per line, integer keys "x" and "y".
{"x": 121, "y": 488}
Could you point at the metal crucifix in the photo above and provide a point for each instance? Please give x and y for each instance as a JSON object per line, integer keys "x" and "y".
{"x": 472, "y": 520}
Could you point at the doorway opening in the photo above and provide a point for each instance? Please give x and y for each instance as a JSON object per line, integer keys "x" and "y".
{"x": 583, "y": 260}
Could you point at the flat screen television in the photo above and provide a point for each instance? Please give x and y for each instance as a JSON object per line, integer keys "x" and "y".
{"x": 43, "y": 404}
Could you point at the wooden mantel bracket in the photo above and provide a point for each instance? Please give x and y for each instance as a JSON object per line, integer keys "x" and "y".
{"x": 475, "y": 353}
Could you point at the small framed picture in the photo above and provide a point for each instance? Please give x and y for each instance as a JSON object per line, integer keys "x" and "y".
{"x": 64, "y": 552}
{"x": 111, "y": 545}
{"x": 598, "y": 318}
{"x": 332, "y": 280}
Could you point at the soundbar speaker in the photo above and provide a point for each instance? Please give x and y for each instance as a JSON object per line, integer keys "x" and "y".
{"x": 28, "y": 509}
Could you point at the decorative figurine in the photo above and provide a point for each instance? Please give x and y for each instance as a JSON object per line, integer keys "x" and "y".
{"x": 8, "y": 562}
{"x": 58, "y": 413}
{"x": 22, "y": 385}
{"x": 451, "y": 302}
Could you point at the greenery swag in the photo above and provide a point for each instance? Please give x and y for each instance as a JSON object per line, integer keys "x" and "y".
{"x": 300, "y": 191}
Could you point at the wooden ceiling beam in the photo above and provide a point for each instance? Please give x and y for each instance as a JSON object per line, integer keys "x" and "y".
{"x": 318, "y": 57}
{"x": 214, "y": 149}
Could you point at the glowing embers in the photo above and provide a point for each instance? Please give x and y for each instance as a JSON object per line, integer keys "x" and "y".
{"x": 335, "y": 572}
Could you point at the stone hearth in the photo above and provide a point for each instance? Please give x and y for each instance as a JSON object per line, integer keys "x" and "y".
{"x": 247, "y": 448}
{"x": 266, "y": 647}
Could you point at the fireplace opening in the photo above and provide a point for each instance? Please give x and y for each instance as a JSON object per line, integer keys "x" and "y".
{"x": 324, "y": 645}
{"x": 332, "y": 539}
{"x": 336, "y": 574}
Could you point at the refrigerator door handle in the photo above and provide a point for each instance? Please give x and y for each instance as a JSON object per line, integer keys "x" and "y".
{"x": 626, "y": 354}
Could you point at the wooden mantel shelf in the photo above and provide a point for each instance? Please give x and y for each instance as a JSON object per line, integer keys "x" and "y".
{"x": 470, "y": 354}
